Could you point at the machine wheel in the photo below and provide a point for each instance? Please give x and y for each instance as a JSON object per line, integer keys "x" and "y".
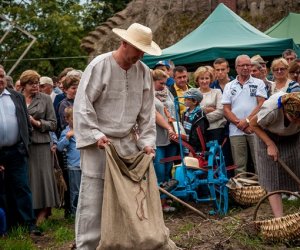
{"x": 217, "y": 178}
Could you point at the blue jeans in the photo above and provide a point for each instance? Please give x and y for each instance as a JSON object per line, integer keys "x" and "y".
{"x": 74, "y": 186}
{"x": 16, "y": 181}
{"x": 2, "y": 222}
{"x": 163, "y": 170}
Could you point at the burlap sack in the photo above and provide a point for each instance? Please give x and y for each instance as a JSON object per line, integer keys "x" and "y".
{"x": 132, "y": 216}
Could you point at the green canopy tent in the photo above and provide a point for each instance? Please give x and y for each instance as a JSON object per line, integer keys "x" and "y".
{"x": 287, "y": 27}
{"x": 222, "y": 34}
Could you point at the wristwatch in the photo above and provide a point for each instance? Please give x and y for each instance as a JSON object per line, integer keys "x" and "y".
{"x": 247, "y": 120}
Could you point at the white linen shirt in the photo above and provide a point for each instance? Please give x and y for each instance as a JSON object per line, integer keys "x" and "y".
{"x": 242, "y": 99}
{"x": 111, "y": 100}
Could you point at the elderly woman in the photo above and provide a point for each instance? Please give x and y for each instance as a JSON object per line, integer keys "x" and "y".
{"x": 294, "y": 71}
{"x": 282, "y": 82}
{"x": 165, "y": 112}
{"x": 42, "y": 118}
{"x": 277, "y": 126}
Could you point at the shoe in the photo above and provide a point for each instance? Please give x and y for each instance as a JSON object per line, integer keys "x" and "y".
{"x": 34, "y": 231}
{"x": 167, "y": 209}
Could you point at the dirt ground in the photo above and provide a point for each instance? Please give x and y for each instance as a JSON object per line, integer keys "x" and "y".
{"x": 189, "y": 231}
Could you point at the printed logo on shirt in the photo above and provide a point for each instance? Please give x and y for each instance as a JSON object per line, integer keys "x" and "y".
{"x": 233, "y": 91}
{"x": 253, "y": 89}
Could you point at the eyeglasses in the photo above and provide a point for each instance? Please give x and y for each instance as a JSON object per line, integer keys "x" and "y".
{"x": 279, "y": 69}
{"x": 295, "y": 73}
{"x": 244, "y": 65}
{"x": 33, "y": 83}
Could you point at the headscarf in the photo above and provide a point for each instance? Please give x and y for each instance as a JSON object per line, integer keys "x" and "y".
{"x": 290, "y": 103}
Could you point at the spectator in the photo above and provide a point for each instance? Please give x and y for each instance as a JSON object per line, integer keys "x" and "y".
{"x": 242, "y": 99}
{"x": 289, "y": 55}
{"x": 211, "y": 105}
{"x": 294, "y": 71}
{"x": 180, "y": 86}
{"x": 165, "y": 66}
{"x": 221, "y": 67}
{"x": 259, "y": 68}
{"x": 46, "y": 87}
{"x": 164, "y": 105}
{"x": 18, "y": 87}
{"x": 15, "y": 131}
{"x": 282, "y": 83}
{"x": 67, "y": 141}
{"x": 9, "y": 82}
{"x": 42, "y": 119}
{"x": 70, "y": 84}
{"x": 194, "y": 118}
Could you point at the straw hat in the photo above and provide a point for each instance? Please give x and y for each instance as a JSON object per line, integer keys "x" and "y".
{"x": 140, "y": 37}
{"x": 259, "y": 59}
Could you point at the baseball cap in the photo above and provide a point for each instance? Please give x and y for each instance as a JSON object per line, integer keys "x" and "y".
{"x": 46, "y": 80}
{"x": 259, "y": 59}
{"x": 162, "y": 63}
{"x": 193, "y": 93}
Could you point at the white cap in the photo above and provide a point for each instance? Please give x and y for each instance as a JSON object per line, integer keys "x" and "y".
{"x": 46, "y": 80}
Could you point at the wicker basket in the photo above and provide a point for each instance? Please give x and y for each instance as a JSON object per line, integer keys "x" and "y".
{"x": 247, "y": 195}
{"x": 278, "y": 229}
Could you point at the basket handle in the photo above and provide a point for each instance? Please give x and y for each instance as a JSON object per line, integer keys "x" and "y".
{"x": 269, "y": 194}
{"x": 246, "y": 173}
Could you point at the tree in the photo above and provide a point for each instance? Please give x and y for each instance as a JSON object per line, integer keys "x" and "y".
{"x": 58, "y": 25}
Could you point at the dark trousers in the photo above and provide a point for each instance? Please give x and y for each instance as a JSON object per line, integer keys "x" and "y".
{"x": 16, "y": 183}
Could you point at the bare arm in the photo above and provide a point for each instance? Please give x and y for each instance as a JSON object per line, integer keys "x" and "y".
{"x": 271, "y": 147}
{"x": 159, "y": 119}
{"x": 229, "y": 115}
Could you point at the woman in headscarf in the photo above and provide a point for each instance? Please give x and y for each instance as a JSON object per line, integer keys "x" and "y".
{"x": 277, "y": 126}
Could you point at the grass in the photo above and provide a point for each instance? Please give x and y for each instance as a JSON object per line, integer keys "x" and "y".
{"x": 57, "y": 231}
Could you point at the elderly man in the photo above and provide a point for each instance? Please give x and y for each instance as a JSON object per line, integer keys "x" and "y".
{"x": 259, "y": 70}
{"x": 242, "y": 99}
{"x": 46, "y": 87}
{"x": 15, "y": 130}
{"x": 115, "y": 93}
{"x": 289, "y": 55}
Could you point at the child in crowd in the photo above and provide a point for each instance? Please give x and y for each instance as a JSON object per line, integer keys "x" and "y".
{"x": 67, "y": 142}
{"x": 193, "y": 118}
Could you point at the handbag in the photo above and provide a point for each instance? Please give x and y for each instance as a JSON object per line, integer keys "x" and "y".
{"x": 60, "y": 181}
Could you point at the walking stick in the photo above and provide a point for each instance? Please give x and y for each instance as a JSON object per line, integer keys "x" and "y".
{"x": 182, "y": 202}
{"x": 289, "y": 171}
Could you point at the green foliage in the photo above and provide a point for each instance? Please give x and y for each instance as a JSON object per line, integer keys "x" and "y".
{"x": 58, "y": 25}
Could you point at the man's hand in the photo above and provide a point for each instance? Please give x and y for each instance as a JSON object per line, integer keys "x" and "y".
{"x": 248, "y": 130}
{"x": 2, "y": 168}
{"x": 242, "y": 124}
{"x": 149, "y": 151}
{"x": 102, "y": 142}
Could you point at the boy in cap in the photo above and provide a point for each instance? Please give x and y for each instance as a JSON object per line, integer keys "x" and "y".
{"x": 194, "y": 118}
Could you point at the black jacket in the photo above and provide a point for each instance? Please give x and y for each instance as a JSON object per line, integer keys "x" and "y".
{"x": 200, "y": 121}
{"x": 25, "y": 128}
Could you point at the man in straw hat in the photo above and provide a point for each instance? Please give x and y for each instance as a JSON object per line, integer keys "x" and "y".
{"x": 114, "y": 94}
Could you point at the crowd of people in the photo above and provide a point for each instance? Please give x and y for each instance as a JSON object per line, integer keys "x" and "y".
{"x": 255, "y": 116}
